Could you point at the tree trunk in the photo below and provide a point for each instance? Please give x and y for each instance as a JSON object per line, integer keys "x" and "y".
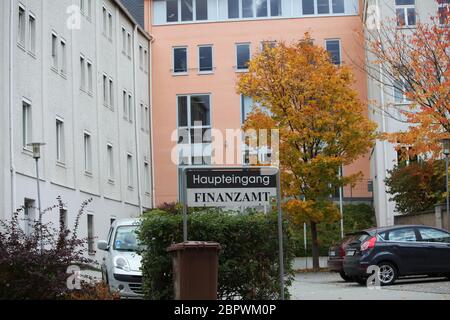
{"x": 315, "y": 246}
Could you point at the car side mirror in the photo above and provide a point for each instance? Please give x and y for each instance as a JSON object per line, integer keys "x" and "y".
{"x": 102, "y": 245}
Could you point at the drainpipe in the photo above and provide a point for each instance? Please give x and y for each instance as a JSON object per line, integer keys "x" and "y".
{"x": 152, "y": 158}
{"x": 136, "y": 129}
{"x": 11, "y": 105}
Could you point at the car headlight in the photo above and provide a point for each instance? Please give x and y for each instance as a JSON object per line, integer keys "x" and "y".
{"x": 121, "y": 263}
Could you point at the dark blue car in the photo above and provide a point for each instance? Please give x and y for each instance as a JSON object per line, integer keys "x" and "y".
{"x": 399, "y": 251}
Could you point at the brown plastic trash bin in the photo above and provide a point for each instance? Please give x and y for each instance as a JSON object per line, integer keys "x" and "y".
{"x": 195, "y": 270}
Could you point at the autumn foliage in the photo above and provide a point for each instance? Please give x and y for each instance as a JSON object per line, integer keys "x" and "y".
{"x": 320, "y": 119}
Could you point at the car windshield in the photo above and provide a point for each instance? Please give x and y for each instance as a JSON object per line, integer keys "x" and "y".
{"x": 126, "y": 239}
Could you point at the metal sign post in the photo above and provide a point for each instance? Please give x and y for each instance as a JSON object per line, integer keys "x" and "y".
{"x": 233, "y": 187}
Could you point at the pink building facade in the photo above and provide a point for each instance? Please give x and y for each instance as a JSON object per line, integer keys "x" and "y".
{"x": 201, "y": 46}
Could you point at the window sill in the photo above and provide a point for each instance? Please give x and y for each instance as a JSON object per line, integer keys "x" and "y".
{"x": 90, "y": 93}
{"x": 21, "y": 47}
{"x": 64, "y": 75}
{"x": 130, "y": 188}
{"x": 241, "y": 70}
{"x": 54, "y": 69}
{"x": 111, "y": 182}
{"x": 205, "y": 72}
{"x": 32, "y": 54}
{"x": 88, "y": 174}
{"x": 176, "y": 74}
{"x": 27, "y": 151}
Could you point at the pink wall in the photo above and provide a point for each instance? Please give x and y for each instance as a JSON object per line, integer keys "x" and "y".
{"x": 225, "y": 102}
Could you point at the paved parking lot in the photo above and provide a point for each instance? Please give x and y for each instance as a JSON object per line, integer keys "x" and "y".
{"x": 330, "y": 286}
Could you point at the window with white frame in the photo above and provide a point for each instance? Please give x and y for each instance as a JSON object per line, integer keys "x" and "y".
{"x": 253, "y": 8}
{"x": 27, "y": 127}
{"x": 146, "y": 177}
{"x": 110, "y": 161}
{"x": 110, "y": 24}
{"x": 194, "y": 129}
{"x": 205, "y": 58}
{"x": 242, "y": 56}
{"x": 401, "y": 88}
{"x": 146, "y": 63}
{"x": 63, "y": 57}
{"x": 141, "y": 57}
{"x": 130, "y": 179}
{"x": 334, "y": 49}
{"x": 125, "y": 104}
{"x": 87, "y": 145}
{"x": 186, "y": 10}
{"x": 90, "y": 233}
{"x": 32, "y": 31}
{"x": 21, "y": 26}
{"x": 82, "y": 8}
{"x": 443, "y": 11}
{"x": 180, "y": 60}
{"x": 246, "y": 107}
{"x": 105, "y": 21}
{"x": 124, "y": 40}
{"x": 111, "y": 93}
{"x": 82, "y": 73}
{"x": 129, "y": 45}
{"x": 90, "y": 76}
{"x": 55, "y": 51}
{"x": 105, "y": 90}
{"x": 406, "y": 12}
{"x": 29, "y": 211}
{"x": 130, "y": 108}
{"x": 311, "y": 7}
{"x": 60, "y": 143}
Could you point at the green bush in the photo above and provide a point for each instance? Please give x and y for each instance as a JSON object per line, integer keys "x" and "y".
{"x": 356, "y": 217}
{"x": 248, "y": 261}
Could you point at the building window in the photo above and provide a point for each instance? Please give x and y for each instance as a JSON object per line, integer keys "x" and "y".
{"x": 146, "y": 63}
{"x": 246, "y": 107}
{"x": 145, "y": 118}
{"x": 125, "y": 104}
{"x": 401, "y": 89}
{"x": 323, "y": 7}
{"x": 105, "y": 22}
{"x": 105, "y": 89}
{"x": 82, "y": 73}
{"x": 205, "y": 59}
{"x": 82, "y": 9}
{"x": 443, "y": 11}
{"x": 194, "y": 129}
{"x": 110, "y": 162}
{"x": 201, "y": 10}
{"x": 275, "y": 8}
{"x": 268, "y": 45}
{"x": 261, "y": 8}
{"x": 26, "y": 124}
{"x": 60, "y": 146}
{"x": 90, "y": 233}
{"x": 406, "y": 13}
{"x": 110, "y": 23}
{"x": 90, "y": 77}
{"x": 334, "y": 49}
{"x": 243, "y": 56}
{"x": 29, "y": 211}
{"x": 130, "y": 170}
{"x": 308, "y": 7}
{"x": 124, "y": 41}
{"x": 87, "y": 153}
{"x": 130, "y": 108}
{"x": 55, "y": 51}
{"x": 247, "y": 8}
{"x": 338, "y": 6}
{"x": 172, "y": 10}
{"x": 186, "y": 10}
{"x": 311, "y": 7}
{"x": 141, "y": 57}
{"x": 32, "y": 28}
{"x": 88, "y": 10}
{"x": 21, "y": 26}
{"x": 233, "y": 9}
{"x": 146, "y": 177}
{"x": 111, "y": 93}
{"x": 63, "y": 58}
{"x": 180, "y": 60}
{"x": 129, "y": 45}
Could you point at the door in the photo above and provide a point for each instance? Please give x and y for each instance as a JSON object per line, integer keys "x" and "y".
{"x": 403, "y": 244}
{"x": 437, "y": 243}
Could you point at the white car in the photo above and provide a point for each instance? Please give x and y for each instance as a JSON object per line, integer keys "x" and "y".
{"x": 121, "y": 267}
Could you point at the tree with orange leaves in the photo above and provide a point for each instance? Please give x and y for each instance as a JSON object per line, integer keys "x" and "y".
{"x": 321, "y": 125}
{"x": 415, "y": 64}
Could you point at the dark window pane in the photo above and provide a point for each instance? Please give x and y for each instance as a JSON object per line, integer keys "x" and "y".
{"x": 205, "y": 57}
{"x": 186, "y": 10}
{"x": 338, "y": 6}
{"x": 308, "y": 6}
{"x": 233, "y": 9}
{"x": 201, "y": 135}
{"x": 243, "y": 55}
{"x": 406, "y": 234}
{"x": 172, "y": 10}
{"x": 201, "y": 10}
{"x": 323, "y": 7}
{"x": 261, "y": 8}
{"x": 401, "y": 19}
{"x": 182, "y": 111}
{"x": 275, "y": 8}
{"x": 333, "y": 47}
{"x": 411, "y": 17}
{"x": 247, "y": 8}
{"x": 200, "y": 114}
{"x": 404, "y": 2}
{"x": 180, "y": 60}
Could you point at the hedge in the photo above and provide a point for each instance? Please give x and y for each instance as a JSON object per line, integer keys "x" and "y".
{"x": 248, "y": 261}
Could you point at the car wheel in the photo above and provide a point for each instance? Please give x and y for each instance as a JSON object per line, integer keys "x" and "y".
{"x": 387, "y": 273}
{"x": 345, "y": 277}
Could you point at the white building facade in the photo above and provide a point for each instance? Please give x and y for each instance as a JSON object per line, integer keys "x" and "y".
{"x": 75, "y": 75}
{"x": 385, "y": 101}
